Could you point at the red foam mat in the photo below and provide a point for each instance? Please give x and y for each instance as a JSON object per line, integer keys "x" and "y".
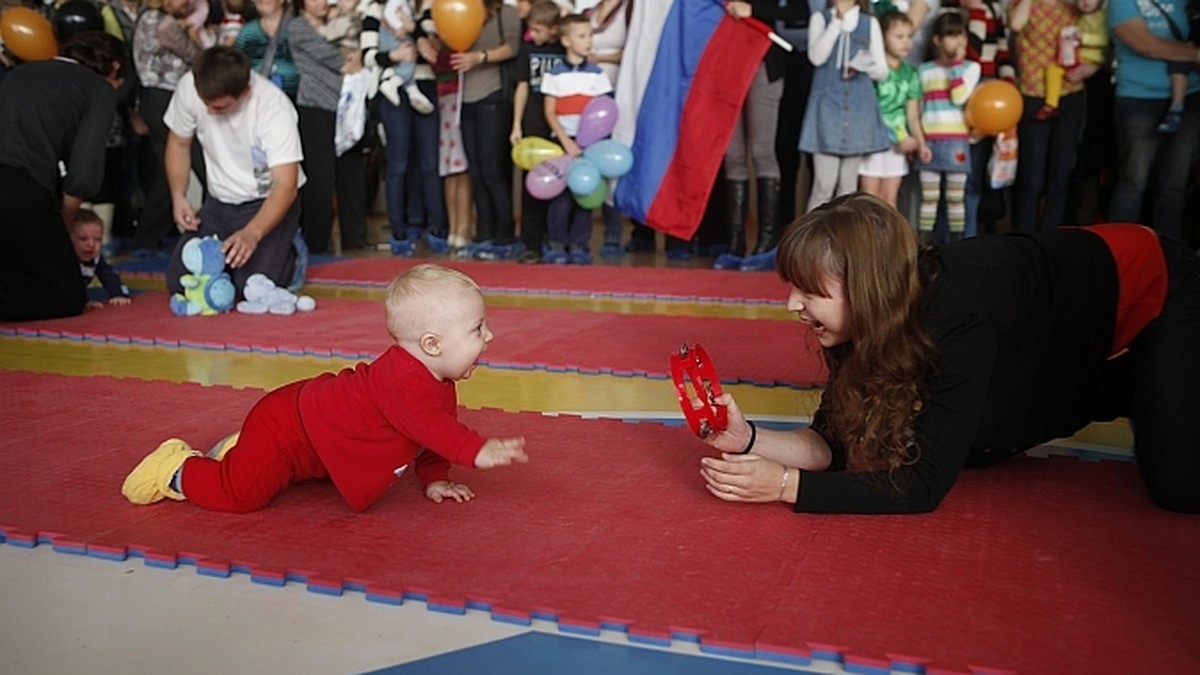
{"x": 1036, "y": 566}
{"x": 605, "y": 280}
{"x": 756, "y": 351}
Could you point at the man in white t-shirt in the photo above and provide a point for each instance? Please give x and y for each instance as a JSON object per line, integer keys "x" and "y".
{"x": 247, "y": 129}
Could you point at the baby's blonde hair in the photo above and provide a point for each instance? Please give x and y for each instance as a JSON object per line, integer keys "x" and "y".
{"x": 417, "y": 296}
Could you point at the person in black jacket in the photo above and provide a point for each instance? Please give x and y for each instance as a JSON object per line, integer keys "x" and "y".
{"x": 52, "y": 111}
{"x": 941, "y": 359}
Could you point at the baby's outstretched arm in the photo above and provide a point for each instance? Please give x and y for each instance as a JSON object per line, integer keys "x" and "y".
{"x": 445, "y": 489}
{"x": 501, "y": 452}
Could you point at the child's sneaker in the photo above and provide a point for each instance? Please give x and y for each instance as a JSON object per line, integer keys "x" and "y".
{"x": 530, "y": 257}
{"x": 679, "y": 253}
{"x": 390, "y": 88}
{"x": 554, "y": 254}
{"x": 150, "y": 480}
{"x": 437, "y": 244}
{"x": 474, "y": 248}
{"x": 579, "y": 255}
{"x": 612, "y": 250}
{"x": 759, "y": 262}
{"x": 1045, "y": 112}
{"x": 417, "y": 100}
{"x": 1170, "y": 122}
{"x": 502, "y": 251}
{"x": 727, "y": 261}
{"x": 402, "y": 247}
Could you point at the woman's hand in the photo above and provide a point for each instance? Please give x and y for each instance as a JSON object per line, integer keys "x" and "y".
{"x": 745, "y": 478}
{"x": 428, "y": 49}
{"x": 736, "y": 436}
{"x": 464, "y": 61}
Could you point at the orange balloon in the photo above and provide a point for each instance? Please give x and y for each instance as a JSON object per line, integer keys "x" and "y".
{"x": 27, "y": 34}
{"x": 995, "y": 106}
{"x": 459, "y": 22}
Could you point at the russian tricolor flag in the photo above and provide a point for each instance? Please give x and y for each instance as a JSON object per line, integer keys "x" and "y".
{"x": 685, "y": 72}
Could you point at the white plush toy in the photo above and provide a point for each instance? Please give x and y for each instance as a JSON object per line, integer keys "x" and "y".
{"x": 263, "y": 296}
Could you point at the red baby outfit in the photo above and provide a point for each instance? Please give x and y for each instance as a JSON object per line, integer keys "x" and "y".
{"x": 361, "y": 427}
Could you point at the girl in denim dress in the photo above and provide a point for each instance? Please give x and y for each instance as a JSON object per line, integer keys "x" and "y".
{"x": 842, "y": 122}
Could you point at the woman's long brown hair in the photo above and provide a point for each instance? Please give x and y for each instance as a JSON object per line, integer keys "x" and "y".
{"x": 874, "y": 388}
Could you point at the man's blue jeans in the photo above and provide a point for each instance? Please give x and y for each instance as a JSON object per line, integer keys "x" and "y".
{"x": 1154, "y": 161}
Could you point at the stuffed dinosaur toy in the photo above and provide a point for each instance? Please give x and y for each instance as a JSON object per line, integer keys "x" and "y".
{"x": 207, "y": 289}
{"x": 263, "y": 296}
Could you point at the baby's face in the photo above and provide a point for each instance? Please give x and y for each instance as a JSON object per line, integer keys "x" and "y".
{"x": 1088, "y": 6}
{"x": 87, "y": 238}
{"x": 463, "y": 333}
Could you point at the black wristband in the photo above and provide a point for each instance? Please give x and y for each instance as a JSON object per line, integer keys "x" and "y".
{"x": 753, "y": 437}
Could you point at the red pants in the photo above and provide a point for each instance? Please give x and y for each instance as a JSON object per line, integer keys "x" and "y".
{"x": 272, "y": 452}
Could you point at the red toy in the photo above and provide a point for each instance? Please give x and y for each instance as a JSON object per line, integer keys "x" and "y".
{"x": 709, "y": 417}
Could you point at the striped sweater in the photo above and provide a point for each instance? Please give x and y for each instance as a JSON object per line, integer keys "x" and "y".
{"x": 944, "y": 93}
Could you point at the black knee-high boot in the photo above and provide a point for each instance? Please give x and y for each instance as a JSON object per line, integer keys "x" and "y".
{"x": 768, "y": 215}
{"x": 763, "y": 255}
{"x": 737, "y": 194}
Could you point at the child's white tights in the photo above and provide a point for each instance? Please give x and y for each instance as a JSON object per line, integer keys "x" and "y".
{"x": 833, "y": 176}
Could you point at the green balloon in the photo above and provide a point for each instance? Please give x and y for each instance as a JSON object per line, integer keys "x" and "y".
{"x": 593, "y": 199}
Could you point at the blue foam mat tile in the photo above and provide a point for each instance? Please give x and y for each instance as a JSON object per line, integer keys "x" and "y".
{"x": 384, "y": 596}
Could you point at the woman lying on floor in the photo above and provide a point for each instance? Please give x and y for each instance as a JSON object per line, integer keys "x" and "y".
{"x": 946, "y": 358}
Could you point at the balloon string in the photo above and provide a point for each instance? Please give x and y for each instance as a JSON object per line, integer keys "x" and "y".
{"x": 458, "y": 95}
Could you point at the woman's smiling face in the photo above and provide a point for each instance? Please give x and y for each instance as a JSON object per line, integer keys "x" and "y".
{"x": 827, "y": 315}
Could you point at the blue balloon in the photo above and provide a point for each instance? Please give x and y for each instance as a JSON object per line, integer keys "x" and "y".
{"x": 583, "y": 176}
{"x": 613, "y": 158}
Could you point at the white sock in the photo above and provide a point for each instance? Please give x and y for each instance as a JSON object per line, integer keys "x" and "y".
{"x": 390, "y": 89}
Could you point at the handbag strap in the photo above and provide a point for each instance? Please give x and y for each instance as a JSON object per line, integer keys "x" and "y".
{"x": 269, "y": 57}
{"x": 500, "y": 26}
{"x": 1170, "y": 22}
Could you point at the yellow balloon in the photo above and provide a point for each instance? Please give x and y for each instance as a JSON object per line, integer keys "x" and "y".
{"x": 459, "y": 22}
{"x": 533, "y": 150}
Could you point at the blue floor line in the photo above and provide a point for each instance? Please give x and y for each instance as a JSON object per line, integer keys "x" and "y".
{"x": 546, "y": 653}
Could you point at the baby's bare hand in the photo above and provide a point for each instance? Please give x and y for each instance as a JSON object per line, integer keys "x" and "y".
{"x": 441, "y": 490}
{"x": 501, "y": 452}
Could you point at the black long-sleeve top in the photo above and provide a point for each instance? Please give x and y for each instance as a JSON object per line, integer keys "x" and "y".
{"x": 109, "y": 279}
{"x": 52, "y": 111}
{"x": 1023, "y": 327}
{"x": 794, "y": 12}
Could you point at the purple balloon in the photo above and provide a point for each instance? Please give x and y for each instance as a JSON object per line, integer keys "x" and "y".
{"x": 596, "y": 121}
{"x": 548, "y": 179}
